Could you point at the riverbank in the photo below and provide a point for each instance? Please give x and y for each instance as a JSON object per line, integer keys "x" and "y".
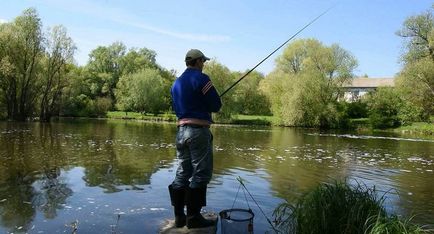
{"x": 169, "y": 117}
{"x": 416, "y": 128}
{"x": 362, "y": 125}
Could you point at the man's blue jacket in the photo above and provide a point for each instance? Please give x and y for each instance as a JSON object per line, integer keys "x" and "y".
{"x": 194, "y": 96}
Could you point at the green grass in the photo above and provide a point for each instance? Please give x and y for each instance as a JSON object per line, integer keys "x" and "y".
{"x": 418, "y": 127}
{"x": 361, "y": 124}
{"x": 393, "y": 224}
{"x": 139, "y": 116}
{"x": 237, "y": 119}
{"x": 340, "y": 208}
{"x": 252, "y": 119}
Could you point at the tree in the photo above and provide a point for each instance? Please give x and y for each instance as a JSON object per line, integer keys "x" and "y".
{"x": 418, "y": 32}
{"x": 105, "y": 65}
{"x": 7, "y": 75}
{"x": 306, "y": 83}
{"x": 416, "y": 85}
{"x": 21, "y": 43}
{"x": 416, "y": 80}
{"x": 137, "y": 59}
{"x": 108, "y": 63}
{"x": 82, "y": 94}
{"x": 222, "y": 78}
{"x": 142, "y": 92}
{"x": 107, "y": 59}
{"x": 249, "y": 99}
{"x": 59, "y": 52}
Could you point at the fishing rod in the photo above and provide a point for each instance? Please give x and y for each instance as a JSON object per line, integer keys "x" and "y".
{"x": 299, "y": 31}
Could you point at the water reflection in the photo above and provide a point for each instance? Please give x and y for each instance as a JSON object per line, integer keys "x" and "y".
{"x": 87, "y": 173}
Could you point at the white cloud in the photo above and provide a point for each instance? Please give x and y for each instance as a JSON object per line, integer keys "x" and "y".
{"x": 179, "y": 35}
{"x": 3, "y": 21}
{"x": 121, "y": 16}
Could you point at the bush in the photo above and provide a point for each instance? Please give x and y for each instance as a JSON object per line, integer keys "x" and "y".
{"x": 84, "y": 106}
{"x": 377, "y": 120}
{"x": 384, "y": 106}
{"x": 357, "y": 109}
{"x": 409, "y": 113}
{"x": 102, "y": 106}
{"x": 334, "y": 116}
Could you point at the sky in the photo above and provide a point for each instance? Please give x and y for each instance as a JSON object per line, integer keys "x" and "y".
{"x": 237, "y": 33}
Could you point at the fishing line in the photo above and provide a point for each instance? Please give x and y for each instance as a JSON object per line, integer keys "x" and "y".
{"x": 257, "y": 204}
{"x": 299, "y": 31}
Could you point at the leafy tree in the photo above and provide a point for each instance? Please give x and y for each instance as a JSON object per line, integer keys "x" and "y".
{"x": 416, "y": 84}
{"x": 59, "y": 52}
{"x": 305, "y": 85}
{"x": 7, "y": 79}
{"x": 222, "y": 78}
{"x": 105, "y": 65}
{"x": 419, "y": 36}
{"x": 108, "y": 63}
{"x": 416, "y": 80}
{"x": 137, "y": 59}
{"x": 21, "y": 48}
{"x": 107, "y": 59}
{"x": 81, "y": 95}
{"x": 249, "y": 99}
{"x": 141, "y": 92}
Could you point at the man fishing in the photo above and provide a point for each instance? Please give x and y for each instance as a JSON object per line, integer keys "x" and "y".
{"x": 194, "y": 99}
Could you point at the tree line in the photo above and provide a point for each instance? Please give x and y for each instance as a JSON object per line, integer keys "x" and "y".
{"x": 38, "y": 78}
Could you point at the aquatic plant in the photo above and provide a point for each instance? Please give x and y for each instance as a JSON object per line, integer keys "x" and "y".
{"x": 339, "y": 208}
{"x": 393, "y": 224}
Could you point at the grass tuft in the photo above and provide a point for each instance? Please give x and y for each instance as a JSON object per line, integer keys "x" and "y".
{"x": 340, "y": 208}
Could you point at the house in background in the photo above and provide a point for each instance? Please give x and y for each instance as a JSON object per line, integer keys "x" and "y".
{"x": 361, "y": 86}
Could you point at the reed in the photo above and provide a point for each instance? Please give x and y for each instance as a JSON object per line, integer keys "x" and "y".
{"x": 393, "y": 224}
{"x": 339, "y": 208}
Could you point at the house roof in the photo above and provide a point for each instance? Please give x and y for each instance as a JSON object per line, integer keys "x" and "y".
{"x": 370, "y": 83}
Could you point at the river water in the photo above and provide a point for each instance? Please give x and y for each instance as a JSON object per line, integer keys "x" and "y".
{"x": 111, "y": 176}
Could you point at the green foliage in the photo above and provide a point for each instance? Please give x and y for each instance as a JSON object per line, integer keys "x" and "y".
{"x": 330, "y": 208}
{"x": 393, "y": 224}
{"x": 384, "y": 105}
{"x": 221, "y": 78}
{"x": 416, "y": 85}
{"x": 81, "y": 96}
{"x": 252, "y": 120}
{"x": 305, "y": 86}
{"x": 137, "y": 59}
{"x": 59, "y": 53}
{"x": 416, "y": 81}
{"x": 166, "y": 116}
{"x": 108, "y": 63}
{"x": 21, "y": 50}
{"x": 339, "y": 208}
{"x": 142, "y": 92}
{"x": 356, "y": 109}
{"x": 418, "y": 34}
{"x": 249, "y": 99}
{"x": 420, "y": 128}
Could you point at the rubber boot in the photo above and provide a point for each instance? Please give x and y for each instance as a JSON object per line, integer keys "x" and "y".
{"x": 196, "y": 198}
{"x": 177, "y": 197}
